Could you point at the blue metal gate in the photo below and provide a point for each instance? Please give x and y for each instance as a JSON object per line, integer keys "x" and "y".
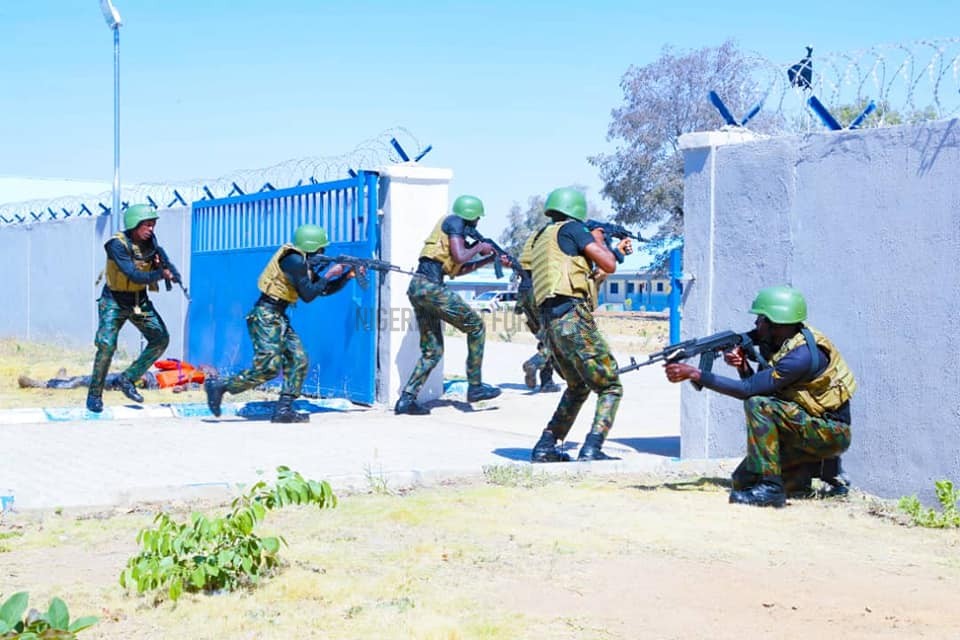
{"x": 232, "y": 240}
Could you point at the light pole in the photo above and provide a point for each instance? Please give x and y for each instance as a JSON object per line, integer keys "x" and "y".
{"x": 112, "y": 16}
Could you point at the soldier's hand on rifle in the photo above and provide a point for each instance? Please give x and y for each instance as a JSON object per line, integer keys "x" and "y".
{"x": 680, "y": 371}
{"x": 336, "y": 271}
{"x": 167, "y": 275}
{"x": 736, "y": 359}
{"x": 484, "y": 249}
{"x": 505, "y": 260}
{"x": 625, "y": 246}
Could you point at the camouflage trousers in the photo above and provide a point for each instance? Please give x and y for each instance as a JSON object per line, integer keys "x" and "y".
{"x": 434, "y": 304}
{"x": 781, "y": 436}
{"x": 541, "y": 359}
{"x": 112, "y": 318}
{"x": 276, "y": 348}
{"x": 583, "y": 358}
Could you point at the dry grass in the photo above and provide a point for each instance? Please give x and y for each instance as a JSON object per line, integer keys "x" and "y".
{"x": 561, "y": 557}
{"x": 43, "y": 361}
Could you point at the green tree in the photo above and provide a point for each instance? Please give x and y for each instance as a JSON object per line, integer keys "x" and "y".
{"x": 643, "y": 177}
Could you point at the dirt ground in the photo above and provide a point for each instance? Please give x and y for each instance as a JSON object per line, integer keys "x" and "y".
{"x": 516, "y": 554}
{"x": 522, "y": 555}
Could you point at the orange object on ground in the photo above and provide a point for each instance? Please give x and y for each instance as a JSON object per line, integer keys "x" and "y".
{"x": 176, "y": 372}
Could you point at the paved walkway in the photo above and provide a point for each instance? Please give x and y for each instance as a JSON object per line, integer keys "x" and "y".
{"x": 160, "y": 452}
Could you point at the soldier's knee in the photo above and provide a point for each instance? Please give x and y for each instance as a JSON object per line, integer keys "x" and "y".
{"x": 105, "y": 344}
{"x": 432, "y": 356}
{"x": 756, "y": 403}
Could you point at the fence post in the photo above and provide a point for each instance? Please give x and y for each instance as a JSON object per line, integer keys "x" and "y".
{"x": 676, "y": 290}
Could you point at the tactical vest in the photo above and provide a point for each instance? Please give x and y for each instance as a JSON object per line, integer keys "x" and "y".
{"x": 829, "y": 390}
{"x": 557, "y": 274}
{"x": 526, "y": 254}
{"x": 274, "y": 282}
{"x": 142, "y": 260}
{"x": 437, "y": 247}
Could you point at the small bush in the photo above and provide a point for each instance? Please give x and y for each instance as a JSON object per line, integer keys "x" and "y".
{"x": 222, "y": 553}
{"x": 947, "y": 495}
{"x": 54, "y": 623}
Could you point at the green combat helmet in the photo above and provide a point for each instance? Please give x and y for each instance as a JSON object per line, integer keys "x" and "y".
{"x": 567, "y": 201}
{"x": 782, "y": 305}
{"x": 468, "y": 207}
{"x": 309, "y": 238}
{"x": 137, "y": 213}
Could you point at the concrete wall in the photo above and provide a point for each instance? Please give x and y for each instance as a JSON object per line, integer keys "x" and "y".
{"x": 51, "y": 268}
{"x": 50, "y": 273}
{"x": 413, "y": 198}
{"x": 867, "y": 225}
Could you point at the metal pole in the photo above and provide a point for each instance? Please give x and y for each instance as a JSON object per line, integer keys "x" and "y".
{"x": 676, "y": 284}
{"x": 115, "y": 210}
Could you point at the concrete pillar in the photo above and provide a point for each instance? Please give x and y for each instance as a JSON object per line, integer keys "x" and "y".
{"x": 413, "y": 199}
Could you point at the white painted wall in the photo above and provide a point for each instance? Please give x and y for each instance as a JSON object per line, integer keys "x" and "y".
{"x": 413, "y": 198}
{"x": 867, "y": 225}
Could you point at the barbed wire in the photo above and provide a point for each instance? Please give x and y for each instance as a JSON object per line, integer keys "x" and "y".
{"x": 907, "y": 82}
{"x": 369, "y": 154}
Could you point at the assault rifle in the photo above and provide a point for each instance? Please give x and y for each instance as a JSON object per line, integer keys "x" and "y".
{"x": 163, "y": 264}
{"x": 707, "y": 348}
{"x": 319, "y": 263}
{"x": 613, "y": 230}
{"x": 474, "y": 234}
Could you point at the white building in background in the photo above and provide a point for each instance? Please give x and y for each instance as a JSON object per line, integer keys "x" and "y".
{"x": 21, "y": 189}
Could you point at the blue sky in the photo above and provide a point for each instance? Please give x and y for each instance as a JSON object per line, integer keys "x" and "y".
{"x": 513, "y": 96}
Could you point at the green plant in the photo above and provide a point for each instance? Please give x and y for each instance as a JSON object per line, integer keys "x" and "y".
{"x": 377, "y": 481}
{"x": 55, "y": 623}
{"x": 219, "y": 553}
{"x": 947, "y": 495}
{"x": 514, "y": 475}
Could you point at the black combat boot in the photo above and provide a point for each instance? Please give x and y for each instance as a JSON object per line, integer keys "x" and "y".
{"x": 831, "y": 472}
{"x": 766, "y": 493}
{"x": 408, "y": 404}
{"x": 478, "y": 392}
{"x": 530, "y": 373}
{"x": 126, "y": 387}
{"x": 546, "y": 449}
{"x": 283, "y": 412}
{"x": 591, "y": 449}
{"x": 215, "y": 390}
{"x": 94, "y": 403}
{"x": 547, "y": 385}
{"x": 743, "y": 479}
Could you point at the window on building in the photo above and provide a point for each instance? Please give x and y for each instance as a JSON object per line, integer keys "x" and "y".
{"x": 631, "y": 287}
{"x": 659, "y": 286}
{"x": 614, "y": 288}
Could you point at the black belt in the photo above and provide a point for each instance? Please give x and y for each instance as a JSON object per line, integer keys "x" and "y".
{"x": 274, "y": 303}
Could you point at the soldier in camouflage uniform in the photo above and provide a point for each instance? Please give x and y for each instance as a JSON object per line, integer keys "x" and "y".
{"x": 445, "y": 253}
{"x": 797, "y": 409}
{"x": 135, "y": 263}
{"x": 564, "y": 256}
{"x": 527, "y": 306}
{"x": 288, "y": 277}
